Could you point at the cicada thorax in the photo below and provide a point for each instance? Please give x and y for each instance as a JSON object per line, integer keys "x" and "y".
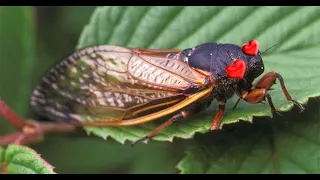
{"x": 214, "y": 59}
{"x": 111, "y": 84}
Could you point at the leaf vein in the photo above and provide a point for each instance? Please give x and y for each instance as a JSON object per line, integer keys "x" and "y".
{"x": 164, "y": 27}
{"x": 144, "y": 14}
{"x": 113, "y": 28}
{"x": 199, "y": 26}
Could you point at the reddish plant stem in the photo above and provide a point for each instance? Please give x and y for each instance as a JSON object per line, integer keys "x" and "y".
{"x": 10, "y": 138}
{"x": 30, "y": 131}
{"x": 56, "y": 127}
{"x": 4, "y": 168}
{"x": 11, "y": 116}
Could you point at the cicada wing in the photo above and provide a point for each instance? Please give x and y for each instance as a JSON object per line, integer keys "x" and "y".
{"x": 108, "y": 83}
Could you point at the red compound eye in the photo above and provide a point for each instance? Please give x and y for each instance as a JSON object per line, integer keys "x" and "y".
{"x": 237, "y": 69}
{"x": 251, "y": 48}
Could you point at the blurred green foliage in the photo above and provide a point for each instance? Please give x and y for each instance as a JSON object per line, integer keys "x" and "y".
{"x": 17, "y": 54}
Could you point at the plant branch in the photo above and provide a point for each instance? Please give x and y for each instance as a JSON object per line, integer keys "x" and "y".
{"x": 15, "y": 120}
{"x": 30, "y": 131}
{"x": 4, "y": 168}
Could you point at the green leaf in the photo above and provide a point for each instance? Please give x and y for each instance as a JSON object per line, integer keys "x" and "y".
{"x": 17, "y": 57}
{"x": 248, "y": 148}
{"x": 24, "y": 160}
{"x": 294, "y": 30}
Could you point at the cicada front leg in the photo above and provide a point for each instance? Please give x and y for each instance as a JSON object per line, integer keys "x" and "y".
{"x": 260, "y": 91}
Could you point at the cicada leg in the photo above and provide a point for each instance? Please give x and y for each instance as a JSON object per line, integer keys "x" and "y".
{"x": 219, "y": 116}
{"x": 260, "y": 91}
{"x": 180, "y": 115}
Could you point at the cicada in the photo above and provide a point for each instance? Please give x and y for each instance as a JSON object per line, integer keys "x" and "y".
{"x": 107, "y": 85}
